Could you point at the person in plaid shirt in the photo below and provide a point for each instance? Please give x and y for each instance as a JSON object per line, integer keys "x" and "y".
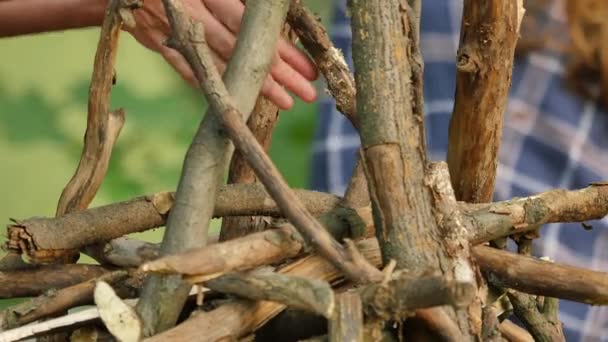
{"x": 553, "y": 138}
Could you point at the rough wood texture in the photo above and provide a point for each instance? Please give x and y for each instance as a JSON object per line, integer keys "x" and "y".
{"x": 261, "y": 123}
{"x": 555, "y": 280}
{"x": 348, "y": 259}
{"x": 484, "y": 65}
{"x": 328, "y": 59}
{"x": 524, "y": 214}
{"x": 103, "y": 126}
{"x": 392, "y": 136}
{"x": 542, "y": 322}
{"x": 241, "y": 317}
{"x": 208, "y": 156}
{"x": 514, "y": 333}
{"x": 40, "y": 235}
{"x": 33, "y": 282}
{"x": 54, "y": 302}
{"x": 347, "y": 322}
{"x": 250, "y": 251}
{"x": 406, "y": 292}
{"x": 263, "y": 284}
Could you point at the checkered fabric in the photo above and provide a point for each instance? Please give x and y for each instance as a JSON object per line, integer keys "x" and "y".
{"x": 552, "y": 139}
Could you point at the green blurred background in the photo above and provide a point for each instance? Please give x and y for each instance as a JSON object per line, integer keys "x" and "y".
{"x": 44, "y": 81}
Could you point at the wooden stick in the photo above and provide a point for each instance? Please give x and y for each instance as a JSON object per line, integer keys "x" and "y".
{"x": 328, "y": 59}
{"x": 540, "y": 277}
{"x": 263, "y": 248}
{"x": 261, "y": 123}
{"x": 293, "y": 291}
{"x": 524, "y": 214}
{"x": 484, "y": 221}
{"x": 40, "y": 235}
{"x": 407, "y": 292}
{"x": 33, "y": 282}
{"x": 55, "y": 302}
{"x": 489, "y": 34}
{"x": 208, "y": 155}
{"x": 347, "y": 321}
{"x": 542, "y": 327}
{"x": 199, "y": 57}
{"x": 103, "y": 125}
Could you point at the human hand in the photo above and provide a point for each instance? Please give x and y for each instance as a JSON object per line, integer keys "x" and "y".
{"x": 290, "y": 69}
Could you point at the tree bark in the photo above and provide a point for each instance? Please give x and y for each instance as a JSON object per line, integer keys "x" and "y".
{"x": 207, "y": 158}
{"x": 488, "y": 36}
{"x": 392, "y": 136}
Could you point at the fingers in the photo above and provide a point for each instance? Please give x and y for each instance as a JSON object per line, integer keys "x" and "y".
{"x": 270, "y": 89}
{"x": 284, "y": 74}
{"x": 230, "y": 12}
{"x": 293, "y": 69}
{"x": 297, "y": 60}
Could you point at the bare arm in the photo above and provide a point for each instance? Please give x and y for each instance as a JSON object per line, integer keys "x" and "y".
{"x": 18, "y": 17}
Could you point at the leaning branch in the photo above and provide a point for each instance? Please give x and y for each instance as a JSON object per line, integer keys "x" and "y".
{"x": 199, "y": 57}
{"x": 55, "y": 302}
{"x": 328, "y": 59}
{"x": 489, "y": 35}
{"x": 206, "y": 160}
{"x": 262, "y": 121}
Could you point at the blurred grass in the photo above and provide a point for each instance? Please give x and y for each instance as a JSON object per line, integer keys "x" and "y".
{"x": 43, "y": 95}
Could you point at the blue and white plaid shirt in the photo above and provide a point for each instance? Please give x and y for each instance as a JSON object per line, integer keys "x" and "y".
{"x": 551, "y": 139}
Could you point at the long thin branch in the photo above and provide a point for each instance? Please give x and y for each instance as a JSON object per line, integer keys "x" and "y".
{"x": 40, "y": 235}
{"x": 103, "y": 125}
{"x": 556, "y": 280}
{"x": 328, "y": 59}
{"x": 55, "y": 302}
{"x": 199, "y": 57}
{"x": 33, "y": 282}
{"x": 208, "y": 156}
{"x": 524, "y": 214}
{"x": 516, "y": 271}
{"x": 261, "y": 123}
{"x": 485, "y": 222}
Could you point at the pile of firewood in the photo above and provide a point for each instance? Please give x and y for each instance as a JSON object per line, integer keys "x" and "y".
{"x": 412, "y": 250}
